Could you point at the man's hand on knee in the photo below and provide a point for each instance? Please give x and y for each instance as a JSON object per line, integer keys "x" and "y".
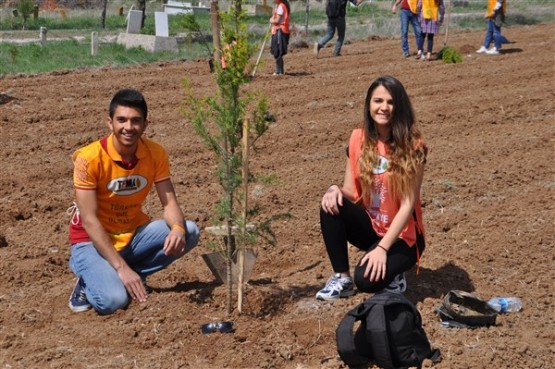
{"x": 133, "y": 283}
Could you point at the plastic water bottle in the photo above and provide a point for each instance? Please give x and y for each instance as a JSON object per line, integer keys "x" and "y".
{"x": 505, "y": 304}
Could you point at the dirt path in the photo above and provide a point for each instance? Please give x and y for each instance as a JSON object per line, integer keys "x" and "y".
{"x": 488, "y": 196}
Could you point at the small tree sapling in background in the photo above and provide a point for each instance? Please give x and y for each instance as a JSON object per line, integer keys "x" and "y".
{"x": 449, "y": 55}
{"x": 25, "y": 8}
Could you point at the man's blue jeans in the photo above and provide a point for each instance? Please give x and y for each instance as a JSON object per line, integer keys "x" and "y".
{"x": 333, "y": 23}
{"x": 145, "y": 255}
{"x": 406, "y": 17}
{"x": 493, "y": 33}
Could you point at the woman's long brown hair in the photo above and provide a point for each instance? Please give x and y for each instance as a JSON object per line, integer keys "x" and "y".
{"x": 406, "y": 150}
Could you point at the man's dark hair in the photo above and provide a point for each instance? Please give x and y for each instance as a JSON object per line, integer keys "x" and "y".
{"x": 130, "y": 98}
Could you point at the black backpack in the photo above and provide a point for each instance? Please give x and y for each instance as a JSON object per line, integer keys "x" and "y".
{"x": 333, "y": 8}
{"x": 390, "y": 334}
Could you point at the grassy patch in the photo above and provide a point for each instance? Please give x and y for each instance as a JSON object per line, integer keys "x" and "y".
{"x": 76, "y": 22}
{"x": 60, "y": 55}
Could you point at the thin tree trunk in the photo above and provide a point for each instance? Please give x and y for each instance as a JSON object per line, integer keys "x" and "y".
{"x": 238, "y": 7}
{"x": 230, "y": 238}
{"x": 306, "y": 17}
{"x": 216, "y": 41}
{"x": 103, "y": 17}
{"x": 245, "y": 175}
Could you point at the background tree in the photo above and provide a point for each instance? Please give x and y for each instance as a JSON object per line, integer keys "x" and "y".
{"x": 103, "y": 17}
{"x": 25, "y": 8}
{"x": 215, "y": 21}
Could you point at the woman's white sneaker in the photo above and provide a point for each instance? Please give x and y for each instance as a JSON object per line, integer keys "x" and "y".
{"x": 336, "y": 287}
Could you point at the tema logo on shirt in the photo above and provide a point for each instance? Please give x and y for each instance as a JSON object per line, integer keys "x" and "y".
{"x": 381, "y": 166}
{"x": 127, "y": 185}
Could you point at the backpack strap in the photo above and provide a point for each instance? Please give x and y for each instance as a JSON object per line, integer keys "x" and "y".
{"x": 345, "y": 337}
{"x": 418, "y": 232}
{"x": 377, "y": 335}
{"x": 376, "y": 332}
{"x": 434, "y": 355}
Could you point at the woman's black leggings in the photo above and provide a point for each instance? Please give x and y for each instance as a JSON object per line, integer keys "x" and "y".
{"x": 353, "y": 225}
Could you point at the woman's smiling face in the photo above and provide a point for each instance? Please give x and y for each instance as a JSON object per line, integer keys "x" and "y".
{"x": 381, "y": 107}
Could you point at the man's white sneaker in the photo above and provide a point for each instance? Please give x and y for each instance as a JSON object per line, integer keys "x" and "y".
{"x": 482, "y": 50}
{"x": 493, "y": 51}
{"x": 336, "y": 287}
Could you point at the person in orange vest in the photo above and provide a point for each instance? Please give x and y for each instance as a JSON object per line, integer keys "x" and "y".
{"x": 377, "y": 209}
{"x": 280, "y": 33}
{"x": 431, "y": 14}
{"x": 409, "y": 13}
{"x": 495, "y": 16}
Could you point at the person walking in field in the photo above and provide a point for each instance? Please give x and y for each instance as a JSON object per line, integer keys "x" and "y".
{"x": 336, "y": 11}
{"x": 280, "y": 33}
{"x": 114, "y": 244}
{"x": 431, "y": 13}
{"x": 409, "y": 14}
{"x": 495, "y": 17}
{"x": 377, "y": 209}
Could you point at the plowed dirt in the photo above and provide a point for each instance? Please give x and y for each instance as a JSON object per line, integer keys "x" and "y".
{"x": 488, "y": 195}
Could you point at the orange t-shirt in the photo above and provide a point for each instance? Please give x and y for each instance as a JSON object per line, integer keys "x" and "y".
{"x": 382, "y": 208}
{"x": 281, "y": 11}
{"x": 120, "y": 188}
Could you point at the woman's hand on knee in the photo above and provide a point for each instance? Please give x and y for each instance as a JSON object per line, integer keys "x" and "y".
{"x": 332, "y": 200}
{"x": 376, "y": 261}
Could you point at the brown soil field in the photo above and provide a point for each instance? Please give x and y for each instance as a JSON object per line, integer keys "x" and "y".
{"x": 488, "y": 203}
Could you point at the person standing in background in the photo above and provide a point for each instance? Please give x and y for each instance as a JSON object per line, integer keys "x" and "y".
{"x": 409, "y": 13}
{"x": 431, "y": 13}
{"x": 280, "y": 33}
{"x": 495, "y": 17}
{"x": 335, "y": 11}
